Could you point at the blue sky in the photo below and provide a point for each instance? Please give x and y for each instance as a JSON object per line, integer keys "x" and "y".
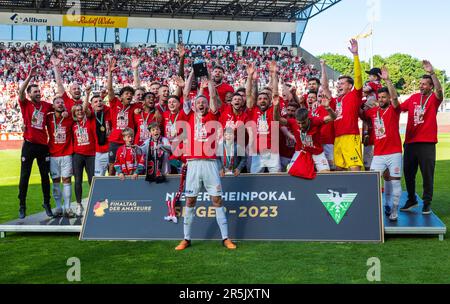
{"x": 415, "y": 27}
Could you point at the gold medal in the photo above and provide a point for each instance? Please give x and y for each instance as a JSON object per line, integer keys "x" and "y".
{"x": 102, "y": 128}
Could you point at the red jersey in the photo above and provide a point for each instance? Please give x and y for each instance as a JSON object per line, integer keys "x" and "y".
{"x": 375, "y": 86}
{"x": 327, "y": 133}
{"x": 121, "y": 117}
{"x": 170, "y": 129}
{"x": 84, "y": 137}
{"x": 308, "y": 141}
{"x": 229, "y": 119}
{"x": 129, "y": 160}
{"x": 222, "y": 90}
{"x": 34, "y": 116}
{"x": 69, "y": 102}
{"x": 102, "y": 119}
{"x": 287, "y": 145}
{"x": 60, "y": 135}
{"x": 422, "y": 121}
{"x": 142, "y": 121}
{"x": 263, "y": 129}
{"x": 386, "y": 128}
{"x": 203, "y": 136}
{"x": 347, "y": 111}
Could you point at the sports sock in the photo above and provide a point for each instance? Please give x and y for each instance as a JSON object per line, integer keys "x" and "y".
{"x": 387, "y": 193}
{"x": 222, "y": 222}
{"x": 188, "y": 219}
{"x": 67, "y": 193}
{"x": 396, "y": 193}
{"x": 57, "y": 194}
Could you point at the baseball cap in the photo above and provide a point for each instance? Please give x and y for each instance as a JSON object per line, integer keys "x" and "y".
{"x": 374, "y": 71}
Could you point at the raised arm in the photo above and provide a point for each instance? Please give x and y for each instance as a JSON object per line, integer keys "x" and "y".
{"x": 23, "y": 87}
{"x": 181, "y": 53}
{"x": 249, "y": 86}
{"x": 56, "y": 62}
{"x": 331, "y": 114}
{"x": 88, "y": 90}
{"x": 324, "y": 80}
{"x": 354, "y": 49}
{"x": 135, "y": 62}
{"x": 213, "y": 104}
{"x": 437, "y": 84}
{"x": 111, "y": 68}
{"x": 188, "y": 85}
{"x": 179, "y": 81}
{"x": 392, "y": 91}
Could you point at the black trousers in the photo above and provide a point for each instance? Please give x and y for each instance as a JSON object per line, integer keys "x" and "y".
{"x": 423, "y": 156}
{"x": 80, "y": 162}
{"x": 30, "y": 152}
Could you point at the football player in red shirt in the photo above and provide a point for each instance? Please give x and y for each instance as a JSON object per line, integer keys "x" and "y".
{"x": 385, "y": 119}
{"x": 34, "y": 112}
{"x": 102, "y": 116}
{"x": 144, "y": 118}
{"x": 59, "y": 129}
{"x": 421, "y": 137}
{"x": 287, "y": 139}
{"x": 163, "y": 98}
{"x": 221, "y": 87}
{"x": 307, "y": 132}
{"x": 313, "y": 86}
{"x": 347, "y": 147}
{"x": 84, "y": 149}
{"x": 263, "y": 152}
{"x": 327, "y": 131}
{"x": 122, "y": 113}
{"x": 201, "y": 167}
{"x": 172, "y": 121}
{"x": 74, "y": 88}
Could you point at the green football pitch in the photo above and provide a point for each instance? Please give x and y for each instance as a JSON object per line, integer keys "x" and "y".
{"x": 42, "y": 258}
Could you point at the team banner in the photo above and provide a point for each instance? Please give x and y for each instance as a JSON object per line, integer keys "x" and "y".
{"x": 333, "y": 207}
{"x": 20, "y": 43}
{"x": 30, "y": 19}
{"x": 211, "y": 47}
{"x": 95, "y": 21}
{"x": 95, "y": 45}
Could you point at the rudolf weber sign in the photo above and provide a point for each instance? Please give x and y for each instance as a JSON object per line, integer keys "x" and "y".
{"x": 333, "y": 207}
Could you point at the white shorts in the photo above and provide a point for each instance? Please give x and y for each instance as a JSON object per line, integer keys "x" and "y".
{"x": 101, "y": 163}
{"x": 320, "y": 162}
{"x": 284, "y": 163}
{"x": 368, "y": 156}
{"x": 268, "y": 160}
{"x": 329, "y": 154}
{"x": 393, "y": 162}
{"x": 202, "y": 172}
{"x": 61, "y": 166}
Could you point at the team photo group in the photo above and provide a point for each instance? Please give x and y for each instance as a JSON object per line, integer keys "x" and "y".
{"x": 201, "y": 125}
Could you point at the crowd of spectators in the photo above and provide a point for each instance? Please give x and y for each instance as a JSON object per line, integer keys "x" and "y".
{"x": 89, "y": 66}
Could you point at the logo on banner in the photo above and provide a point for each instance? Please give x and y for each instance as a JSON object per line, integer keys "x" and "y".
{"x": 17, "y": 19}
{"x": 95, "y": 21}
{"x": 100, "y": 207}
{"x": 337, "y": 204}
{"x": 120, "y": 207}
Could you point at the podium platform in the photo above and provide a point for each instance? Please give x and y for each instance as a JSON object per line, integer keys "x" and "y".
{"x": 409, "y": 223}
{"x": 40, "y": 222}
{"x": 414, "y": 222}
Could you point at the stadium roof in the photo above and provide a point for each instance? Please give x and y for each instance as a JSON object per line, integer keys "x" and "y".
{"x": 267, "y": 10}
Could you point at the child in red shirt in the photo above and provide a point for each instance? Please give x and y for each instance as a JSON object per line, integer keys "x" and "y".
{"x": 129, "y": 158}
